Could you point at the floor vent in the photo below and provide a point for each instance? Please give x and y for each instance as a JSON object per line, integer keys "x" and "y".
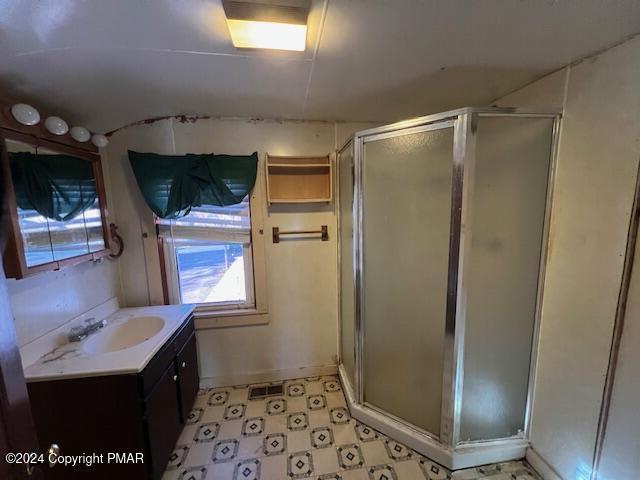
{"x": 265, "y": 391}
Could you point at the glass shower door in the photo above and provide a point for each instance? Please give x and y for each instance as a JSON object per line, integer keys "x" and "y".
{"x": 406, "y": 181}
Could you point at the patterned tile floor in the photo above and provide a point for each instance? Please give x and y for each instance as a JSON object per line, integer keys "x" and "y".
{"x": 306, "y": 433}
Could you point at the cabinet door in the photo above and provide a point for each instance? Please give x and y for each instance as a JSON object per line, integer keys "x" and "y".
{"x": 163, "y": 420}
{"x": 189, "y": 380}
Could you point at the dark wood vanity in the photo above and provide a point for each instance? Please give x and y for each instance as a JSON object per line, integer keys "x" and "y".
{"x": 121, "y": 413}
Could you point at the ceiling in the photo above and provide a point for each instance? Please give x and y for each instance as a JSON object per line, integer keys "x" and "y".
{"x": 105, "y": 64}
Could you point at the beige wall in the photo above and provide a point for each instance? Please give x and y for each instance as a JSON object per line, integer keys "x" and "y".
{"x": 622, "y": 440}
{"x": 48, "y": 300}
{"x": 301, "y": 275}
{"x": 595, "y": 179}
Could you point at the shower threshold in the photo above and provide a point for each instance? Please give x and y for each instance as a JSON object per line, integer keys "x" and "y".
{"x": 462, "y": 456}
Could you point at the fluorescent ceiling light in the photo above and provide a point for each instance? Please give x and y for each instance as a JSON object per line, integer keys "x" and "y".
{"x": 268, "y": 24}
{"x": 276, "y": 36}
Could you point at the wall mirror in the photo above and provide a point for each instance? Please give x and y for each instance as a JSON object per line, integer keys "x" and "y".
{"x": 56, "y": 205}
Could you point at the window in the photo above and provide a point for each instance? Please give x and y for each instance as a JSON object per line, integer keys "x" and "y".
{"x": 208, "y": 257}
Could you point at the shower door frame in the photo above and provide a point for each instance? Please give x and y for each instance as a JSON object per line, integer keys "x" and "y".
{"x": 463, "y": 162}
{"x": 443, "y": 124}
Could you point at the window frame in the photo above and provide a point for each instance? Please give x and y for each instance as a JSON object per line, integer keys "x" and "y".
{"x": 207, "y": 317}
{"x": 172, "y": 278}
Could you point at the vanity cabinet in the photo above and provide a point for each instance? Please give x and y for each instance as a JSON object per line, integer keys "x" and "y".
{"x": 120, "y": 413}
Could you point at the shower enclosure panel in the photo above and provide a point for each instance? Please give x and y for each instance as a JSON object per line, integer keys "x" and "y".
{"x": 346, "y": 291}
{"x": 405, "y": 204}
{"x": 443, "y": 224}
{"x": 505, "y": 213}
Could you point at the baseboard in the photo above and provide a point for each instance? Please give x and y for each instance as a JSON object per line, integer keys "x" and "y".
{"x": 267, "y": 376}
{"x": 541, "y": 466}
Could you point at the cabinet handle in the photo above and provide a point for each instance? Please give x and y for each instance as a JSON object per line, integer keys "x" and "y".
{"x": 184, "y": 364}
{"x": 175, "y": 378}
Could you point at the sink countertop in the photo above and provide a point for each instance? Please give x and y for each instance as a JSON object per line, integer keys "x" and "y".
{"x": 71, "y": 360}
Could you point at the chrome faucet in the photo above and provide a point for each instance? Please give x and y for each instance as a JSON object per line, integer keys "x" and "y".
{"x": 81, "y": 332}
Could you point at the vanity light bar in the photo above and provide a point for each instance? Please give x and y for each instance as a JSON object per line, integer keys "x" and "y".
{"x": 27, "y": 115}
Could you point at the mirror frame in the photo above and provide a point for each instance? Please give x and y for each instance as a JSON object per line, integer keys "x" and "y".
{"x": 14, "y": 260}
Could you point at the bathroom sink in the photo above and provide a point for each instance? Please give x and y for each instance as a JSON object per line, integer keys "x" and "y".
{"x": 123, "y": 335}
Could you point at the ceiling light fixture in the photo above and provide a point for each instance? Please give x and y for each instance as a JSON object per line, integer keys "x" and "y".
{"x": 25, "y": 114}
{"x": 268, "y": 24}
{"x": 56, "y": 125}
{"x": 99, "y": 140}
{"x": 80, "y": 134}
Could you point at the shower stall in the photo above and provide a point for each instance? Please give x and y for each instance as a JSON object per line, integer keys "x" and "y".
{"x": 443, "y": 226}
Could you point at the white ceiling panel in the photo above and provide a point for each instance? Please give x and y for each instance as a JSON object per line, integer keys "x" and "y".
{"x": 382, "y": 59}
{"x": 109, "y": 63}
{"x": 106, "y": 89}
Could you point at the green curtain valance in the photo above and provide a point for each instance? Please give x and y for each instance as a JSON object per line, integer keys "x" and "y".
{"x": 58, "y": 187}
{"x": 173, "y": 184}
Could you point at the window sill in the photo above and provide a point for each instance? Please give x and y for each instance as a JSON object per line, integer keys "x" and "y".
{"x": 206, "y": 319}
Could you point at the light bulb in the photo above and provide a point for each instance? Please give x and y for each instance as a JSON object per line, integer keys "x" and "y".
{"x": 80, "y": 134}
{"x": 99, "y": 140}
{"x": 56, "y": 125}
{"x": 25, "y": 114}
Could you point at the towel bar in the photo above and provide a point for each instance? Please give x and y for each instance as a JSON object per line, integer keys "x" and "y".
{"x": 324, "y": 232}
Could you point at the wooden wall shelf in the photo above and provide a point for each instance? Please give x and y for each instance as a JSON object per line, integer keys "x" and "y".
{"x": 299, "y": 179}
